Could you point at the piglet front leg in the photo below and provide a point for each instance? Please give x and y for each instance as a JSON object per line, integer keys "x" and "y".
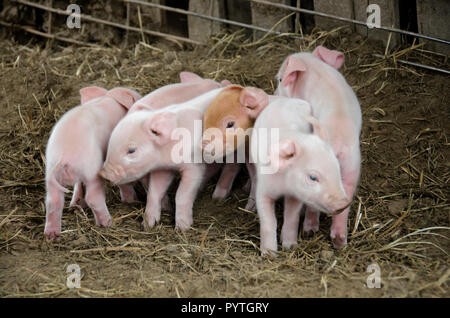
{"x": 268, "y": 223}
{"x": 159, "y": 182}
{"x": 339, "y": 229}
{"x": 289, "y": 231}
{"x": 165, "y": 203}
{"x": 191, "y": 179}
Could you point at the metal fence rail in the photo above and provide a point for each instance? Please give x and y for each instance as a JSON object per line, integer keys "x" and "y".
{"x": 221, "y": 20}
{"x": 290, "y": 10}
{"x": 203, "y": 16}
{"x": 334, "y": 17}
{"x": 110, "y": 23}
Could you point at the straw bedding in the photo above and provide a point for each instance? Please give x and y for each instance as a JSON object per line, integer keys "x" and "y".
{"x": 399, "y": 218}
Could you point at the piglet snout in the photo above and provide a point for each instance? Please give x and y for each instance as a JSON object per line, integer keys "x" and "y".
{"x": 108, "y": 173}
{"x": 346, "y": 203}
{"x": 105, "y": 174}
{"x": 336, "y": 203}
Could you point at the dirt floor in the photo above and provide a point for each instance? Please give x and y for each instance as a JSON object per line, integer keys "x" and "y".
{"x": 399, "y": 219}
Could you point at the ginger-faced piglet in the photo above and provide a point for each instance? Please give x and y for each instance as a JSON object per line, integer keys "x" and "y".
{"x": 225, "y": 132}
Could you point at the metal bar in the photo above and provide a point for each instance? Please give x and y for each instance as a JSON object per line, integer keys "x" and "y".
{"x": 286, "y": 7}
{"x": 203, "y": 16}
{"x": 46, "y": 35}
{"x": 432, "y": 68}
{"x": 178, "y": 38}
{"x": 114, "y": 24}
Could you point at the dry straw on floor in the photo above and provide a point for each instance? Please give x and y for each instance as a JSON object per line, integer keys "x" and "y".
{"x": 399, "y": 218}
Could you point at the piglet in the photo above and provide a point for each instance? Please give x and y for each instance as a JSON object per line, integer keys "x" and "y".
{"x": 295, "y": 162}
{"x": 226, "y": 127}
{"x": 191, "y": 86}
{"x": 314, "y": 77}
{"x": 75, "y": 152}
{"x": 162, "y": 142}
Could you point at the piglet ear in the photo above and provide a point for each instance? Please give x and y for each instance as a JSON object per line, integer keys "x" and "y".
{"x": 282, "y": 154}
{"x": 291, "y": 70}
{"x": 331, "y": 57}
{"x": 160, "y": 127}
{"x": 254, "y": 99}
{"x": 318, "y": 129}
{"x": 124, "y": 96}
{"x": 88, "y": 93}
{"x": 188, "y": 77}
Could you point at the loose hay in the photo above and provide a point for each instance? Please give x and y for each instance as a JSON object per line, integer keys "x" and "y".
{"x": 399, "y": 218}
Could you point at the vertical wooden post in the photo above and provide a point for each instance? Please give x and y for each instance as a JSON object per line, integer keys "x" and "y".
{"x": 127, "y": 24}
{"x": 201, "y": 29}
{"x": 240, "y": 11}
{"x": 297, "y": 25}
{"x": 341, "y": 8}
{"x": 390, "y": 17}
{"x": 266, "y": 17}
{"x": 49, "y": 30}
{"x": 433, "y": 19}
{"x": 156, "y": 15}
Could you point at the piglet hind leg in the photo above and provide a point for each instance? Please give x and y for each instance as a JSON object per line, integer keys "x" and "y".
{"x": 159, "y": 182}
{"x": 191, "y": 179}
{"x": 77, "y": 197}
{"x": 225, "y": 182}
{"x": 127, "y": 193}
{"x": 211, "y": 170}
{"x": 251, "y": 202}
{"x": 311, "y": 221}
{"x": 96, "y": 200}
{"x": 247, "y": 186}
{"x": 339, "y": 224}
{"x": 289, "y": 231}
{"x": 54, "y": 204}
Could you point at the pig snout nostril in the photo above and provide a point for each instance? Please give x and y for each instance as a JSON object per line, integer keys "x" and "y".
{"x": 108, "y": 173}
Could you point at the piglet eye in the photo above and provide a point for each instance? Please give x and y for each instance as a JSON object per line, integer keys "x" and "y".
{"x": 314, "y": 178}
{"x": 131, "y": 150}
{"x": 230, "y": 124}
